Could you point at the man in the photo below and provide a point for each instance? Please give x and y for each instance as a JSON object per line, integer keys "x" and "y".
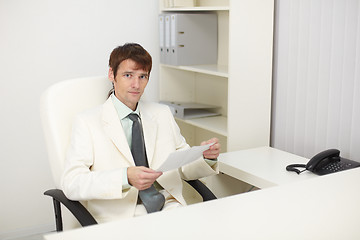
{"x": 101, "y": 167}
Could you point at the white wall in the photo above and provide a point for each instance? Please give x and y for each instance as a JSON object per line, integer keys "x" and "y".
{"x": 317, "y": 77}
{"x": 43, "y": 42}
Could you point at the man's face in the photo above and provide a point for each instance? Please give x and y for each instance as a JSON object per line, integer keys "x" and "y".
{"x": 130, "y": 82}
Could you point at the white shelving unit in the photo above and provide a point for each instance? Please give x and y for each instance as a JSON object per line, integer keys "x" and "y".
{"x": 240, "y": 82}
{"x": 197, "y": 8}
{"x": 210, "y": 69}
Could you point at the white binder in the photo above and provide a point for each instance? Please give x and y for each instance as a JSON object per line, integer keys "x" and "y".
{"x": 167, "y": 56}
{"x": 179, "y": 3}
{"x": 190, "y": 110}
{"x": 162, "y": 37}
{"x": 193, "y": 38}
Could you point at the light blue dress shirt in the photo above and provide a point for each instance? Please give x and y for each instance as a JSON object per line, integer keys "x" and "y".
{"x": 123, "y": 111}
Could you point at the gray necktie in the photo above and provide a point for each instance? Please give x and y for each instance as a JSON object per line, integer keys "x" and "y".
{"x": 151, "y": 198}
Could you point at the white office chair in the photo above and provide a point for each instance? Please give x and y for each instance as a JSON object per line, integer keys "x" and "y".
{"x": 59, "y": 105}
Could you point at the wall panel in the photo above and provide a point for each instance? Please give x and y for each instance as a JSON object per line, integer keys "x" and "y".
{"x": 316, "y": 100}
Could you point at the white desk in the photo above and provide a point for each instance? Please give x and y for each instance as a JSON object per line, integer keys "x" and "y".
{"x": 325, "y": 207}
{"x": 262, "y": 167}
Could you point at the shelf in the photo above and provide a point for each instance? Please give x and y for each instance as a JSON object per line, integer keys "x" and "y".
{"x": 194, "y": 9}
{"x": 214, "y": 124}
{"x": 212, "y": 69}
{"x": 246, "y": 47}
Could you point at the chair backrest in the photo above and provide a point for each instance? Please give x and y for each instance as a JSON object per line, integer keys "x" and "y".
{"x": 58, "y": 106}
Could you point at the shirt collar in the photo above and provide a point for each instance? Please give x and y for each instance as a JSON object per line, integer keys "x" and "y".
{"x": 122, "y": 110}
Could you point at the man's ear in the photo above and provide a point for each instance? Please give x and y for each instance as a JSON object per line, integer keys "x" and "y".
{"x": 111, "y": 75}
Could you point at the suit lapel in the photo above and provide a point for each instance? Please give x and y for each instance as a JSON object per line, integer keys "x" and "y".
{"x": 114, "y": 130}
{"x": 150, "y": 131}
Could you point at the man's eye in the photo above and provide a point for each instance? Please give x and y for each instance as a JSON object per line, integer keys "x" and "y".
{"x": 143, "y": 76}
{"x": 127, "y": 75}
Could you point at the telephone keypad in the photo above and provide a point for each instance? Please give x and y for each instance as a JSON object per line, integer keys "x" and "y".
{"x": 337, "y": 166}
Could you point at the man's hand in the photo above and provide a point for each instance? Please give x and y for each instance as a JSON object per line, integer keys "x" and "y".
{"x": 214, "y": 150}
{"x": 142, "y": 177}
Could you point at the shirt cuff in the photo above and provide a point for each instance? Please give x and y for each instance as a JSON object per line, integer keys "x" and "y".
{"x": 125, "y": 181}
{"x": 211, "y": 162}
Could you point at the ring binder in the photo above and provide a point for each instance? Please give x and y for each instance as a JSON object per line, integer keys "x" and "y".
{"x": 190, "y": 38}
{"x": 190, "y": 110}
{"x": 162, "y": 37}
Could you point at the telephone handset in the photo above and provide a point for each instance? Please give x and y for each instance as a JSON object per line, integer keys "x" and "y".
{"x": 323, "y": 158}
{"x": 325, "y": 162}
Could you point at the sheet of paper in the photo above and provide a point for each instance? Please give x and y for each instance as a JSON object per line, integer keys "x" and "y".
{"x": 182, "y": 157}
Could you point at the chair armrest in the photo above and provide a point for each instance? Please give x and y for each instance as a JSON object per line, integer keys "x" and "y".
{"x": 75, "y": 207}
{"x": 202, "y": 190}
{"x": 86, "y": 219}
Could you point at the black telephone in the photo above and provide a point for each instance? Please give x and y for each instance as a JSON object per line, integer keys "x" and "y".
{"x": 325, "y": 162}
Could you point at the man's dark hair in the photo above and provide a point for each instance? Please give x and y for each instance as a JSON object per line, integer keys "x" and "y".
{"x": 131, "y": 51}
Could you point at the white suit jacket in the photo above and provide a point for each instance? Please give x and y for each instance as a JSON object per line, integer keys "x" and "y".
{"x": 99, "y": 151}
